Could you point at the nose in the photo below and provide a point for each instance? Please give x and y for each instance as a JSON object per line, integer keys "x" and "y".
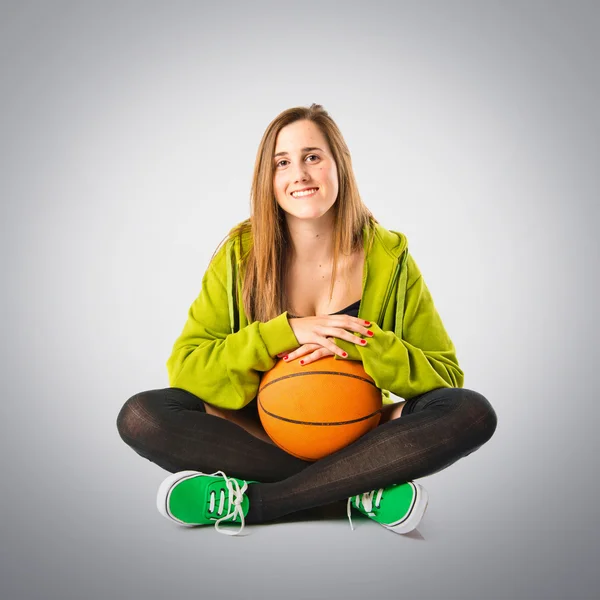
{"x": 300, "y": 173}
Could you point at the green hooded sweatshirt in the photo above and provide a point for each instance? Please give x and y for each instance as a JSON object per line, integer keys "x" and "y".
{"x": 220, "y": 357}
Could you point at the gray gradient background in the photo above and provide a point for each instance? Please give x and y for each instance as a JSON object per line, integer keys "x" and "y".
{"x": 128, "y": 136}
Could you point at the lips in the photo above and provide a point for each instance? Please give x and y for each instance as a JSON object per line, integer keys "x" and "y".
{"x": 313, "y": 189}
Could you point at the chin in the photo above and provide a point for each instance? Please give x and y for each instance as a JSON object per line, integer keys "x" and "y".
{"x": 309, "y": 216}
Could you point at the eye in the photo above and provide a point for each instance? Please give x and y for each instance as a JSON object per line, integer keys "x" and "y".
{"x": 313, "y": 155}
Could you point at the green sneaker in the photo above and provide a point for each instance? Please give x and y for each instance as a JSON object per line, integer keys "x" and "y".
{"x": 193, "y": 498}
{"x": 399, "y": 507}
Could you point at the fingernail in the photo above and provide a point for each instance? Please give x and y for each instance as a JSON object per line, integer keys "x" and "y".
{"x": 301, "y": 362}
{"x": 367, "y": 322}
{"x": 363, "y": 342}
{"x": 285, "y": 357}
{"x": 370, "y": 333}
{"x": 344, "y": 354}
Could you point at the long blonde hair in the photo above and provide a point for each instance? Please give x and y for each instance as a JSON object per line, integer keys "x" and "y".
{"x": 264, "y": 264}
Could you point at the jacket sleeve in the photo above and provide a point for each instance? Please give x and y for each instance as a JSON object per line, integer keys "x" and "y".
{"x": 218, "y": 366}
{"x": 423, "y": 359}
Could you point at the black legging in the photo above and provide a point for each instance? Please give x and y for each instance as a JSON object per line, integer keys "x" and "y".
{"x": 171, "y": 428}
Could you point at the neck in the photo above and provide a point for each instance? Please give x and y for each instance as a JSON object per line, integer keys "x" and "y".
{"x": 311, "y": 242}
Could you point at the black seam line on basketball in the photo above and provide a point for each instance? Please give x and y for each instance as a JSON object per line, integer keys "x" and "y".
{"x": 337, "y": 424}
{"x": 319, "y": 373}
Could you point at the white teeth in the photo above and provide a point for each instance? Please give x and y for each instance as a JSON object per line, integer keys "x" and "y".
{"x": 304, "y": 193}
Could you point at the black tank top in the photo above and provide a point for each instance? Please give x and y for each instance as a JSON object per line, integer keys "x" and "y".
{"x": 351, "y": 310}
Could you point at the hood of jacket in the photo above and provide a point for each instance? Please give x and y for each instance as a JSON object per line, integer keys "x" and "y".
{"x": 385, "y": 277}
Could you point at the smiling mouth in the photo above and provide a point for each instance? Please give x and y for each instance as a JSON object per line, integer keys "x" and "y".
{"x": 305, "y": 194}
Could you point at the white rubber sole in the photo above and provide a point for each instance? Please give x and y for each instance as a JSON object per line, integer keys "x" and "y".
{"x": 164, "y": 491}
{"x": 415, "y": 514}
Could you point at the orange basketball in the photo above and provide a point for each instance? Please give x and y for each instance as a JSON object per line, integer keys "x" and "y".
{"x": 314, "y": 410}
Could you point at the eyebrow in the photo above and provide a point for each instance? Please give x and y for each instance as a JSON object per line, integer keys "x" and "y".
{"x": 303, "y": 150}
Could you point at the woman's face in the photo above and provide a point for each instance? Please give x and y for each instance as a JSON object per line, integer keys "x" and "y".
{"x": 303, "y": 160}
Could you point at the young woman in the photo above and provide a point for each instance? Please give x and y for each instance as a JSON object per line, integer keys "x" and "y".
{"x": 311, "y": 274}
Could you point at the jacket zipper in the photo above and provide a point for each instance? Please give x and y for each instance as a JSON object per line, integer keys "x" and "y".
{"x": 389, "y": 292}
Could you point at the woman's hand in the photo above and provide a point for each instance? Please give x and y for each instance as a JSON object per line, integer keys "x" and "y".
{"x": 314, "y": 335}
{"x": 311, "y": 352}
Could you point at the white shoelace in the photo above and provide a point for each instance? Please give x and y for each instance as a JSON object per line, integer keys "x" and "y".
{"x": 367, "y": 500}
{"x": 234, "y": 506}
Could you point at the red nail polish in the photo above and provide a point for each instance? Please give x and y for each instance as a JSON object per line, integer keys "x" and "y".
{"x": 301, "y": 362}
{"x": 363, "y": 342}
{"x": 370, "y": 333}
{"x": 344, "y": 354}
{"x": 367, "y": 322}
